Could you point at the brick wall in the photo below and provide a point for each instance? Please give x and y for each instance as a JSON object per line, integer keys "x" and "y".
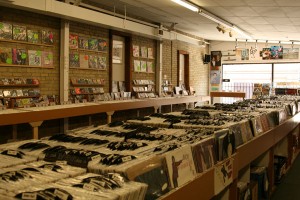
{"x": 90, "y": 32}
{"x": 49, "y": 78}
{"x": 198, "y": 71}
{"x": 149, "y": 43}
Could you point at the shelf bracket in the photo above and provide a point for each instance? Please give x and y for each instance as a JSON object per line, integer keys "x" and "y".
{"x": 35, "y": 128}
{"x": 157, "y": 109}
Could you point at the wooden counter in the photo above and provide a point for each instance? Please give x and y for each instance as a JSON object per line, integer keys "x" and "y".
{"x": 227, "y": 94}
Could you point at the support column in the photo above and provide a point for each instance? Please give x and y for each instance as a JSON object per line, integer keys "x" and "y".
{"x": 64, "y": 68}
{"x": 109, "y": 114}
{"x": 35, "y": 128}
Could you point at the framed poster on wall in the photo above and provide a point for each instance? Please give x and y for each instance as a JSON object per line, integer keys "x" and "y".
{"x": 117, "y": 52}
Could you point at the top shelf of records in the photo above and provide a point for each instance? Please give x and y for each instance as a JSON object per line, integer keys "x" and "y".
{"x": 142, "y": 52}
{"x": 25, "y": 35}
{"x": 19, "y": 82}
{"x": 84, "y": 43}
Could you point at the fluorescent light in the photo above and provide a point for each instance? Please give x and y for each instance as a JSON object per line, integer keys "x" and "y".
{"x": 215, "y": 19}
{"x": 187, "y": 5}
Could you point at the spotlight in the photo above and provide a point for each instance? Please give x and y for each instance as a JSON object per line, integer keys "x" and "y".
{"x": 219, "y": 28}
{"x": 230, "y": 34}
{"x": 223, "y": 30}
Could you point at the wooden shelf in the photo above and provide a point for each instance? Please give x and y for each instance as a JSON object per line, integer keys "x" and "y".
{"x": 20, "y": 85}
{"x": 87, "y": 85}
{"x": 22, "y": 97}
{"x": 89, "y": 93}
{"x": 27, "y": 43}
{"x": 88, "y": 50}
{"x": 11, "y": 65}
{"x": 136, "y": 85}
{"x": 80, "y": 68}
{"x": 144, "y": 91}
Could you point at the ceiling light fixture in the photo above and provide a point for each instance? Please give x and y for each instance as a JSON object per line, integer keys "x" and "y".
{"x": 255, "y": 44}
{"x": 230, "y": 34}
{"x": 246, "y": 43}
{"x": 219, "y": 28}
{"x": 187, "y": 5}
{"x": 236, "y": 44}
{"x": 266, "y": 43}
{"x": 212, "y": 17}
{"x": 292, "y": 45}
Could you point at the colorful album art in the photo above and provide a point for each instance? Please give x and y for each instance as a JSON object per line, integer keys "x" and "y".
{"x": 19, "y": 33}
{"x": 35, "y": 58}
{"x": 33, "y": 36}
{"x": 144, "y": 52}
{"x": 243, "y": 54}
{"x": 83, "y": 43}
{"x": 102, "y": 62}
{"x": 19, "y": 56}
{"x": 5, "y": 31}
{"x": 74, "y": 60}
{"x": 150, "y": 53}
{"x": 136, "y": 51}
{"x": 266, "y": 53}
{"x": 276, "y": 52}
{"x": 143, "y": 66}
{"x": 47, "y": 37}
{"x": 102, "y": 45}
{"x": 93, "y": 61}
{"x": 215, "y": 77}
{"x": 47, "y": 59}
{"x": 93, "y": 44}
{"x": 290, "y": 53}
{"x": 73, "y": 41}
{"x": 137, "y": 65}
{"x": 5, "y": 55}
{"x": 150, "y": 67}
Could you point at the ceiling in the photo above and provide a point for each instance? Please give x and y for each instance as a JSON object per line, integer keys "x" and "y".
{"x": 262, "y": 19}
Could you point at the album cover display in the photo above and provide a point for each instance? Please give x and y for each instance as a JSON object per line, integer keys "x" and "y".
{"x": 19, "y": 56}
{"x": 102, "y": 45}
{"x": 84, "y": 61}
{"x": 144, "y": 52}
{"x": 150, "y": 53}
{"x": 93, "y": 44}
{"x": 35, "y": 58}
{"x": 73, "y": 41}
{"x": 5, "y": 55}
{"x": 93, "y": 61}
{"x": 19, "y": 33}
{"x": 5, "y": 31}
{"x": 143, "y": 66}
{"x": 74, "y": 60}
{"x": 47, "y": 37}
{"x": 33, "y": 36}
{"x": 83, "y": 43}
{"x": 180, "y": 165}
{"x": 135, "y": 51}
{"x": 150, "y": 67}
{"x": 101, "y": 62}
{"x": 137, "y": 65}
{"x": 47, "y": 59}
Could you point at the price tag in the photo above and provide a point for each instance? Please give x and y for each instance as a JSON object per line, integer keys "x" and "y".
{"x": 12, "y": 152}
{"x": 29, "y": 196}
{"x": 126, "y": 158}
{"x": 61, "y": 162}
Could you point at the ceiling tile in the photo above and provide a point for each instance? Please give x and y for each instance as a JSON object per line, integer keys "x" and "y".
{"x": 242, "y": 11}
{"x": 281, "y": 20}
{"x": 269, "y": 11}
{"x": 264, "y": 28}
{"x": 291, "y": 3}
{"x": 291, "y": 11}
{"x": 284, "y": 28}
{"x": 264, "y": 3}
{"x": 255, "y": 20}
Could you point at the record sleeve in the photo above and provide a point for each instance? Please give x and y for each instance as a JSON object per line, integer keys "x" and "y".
{"x": 83, "y": 43}
{"x": 101, "y": 62}
{"x": 47, "y": 37}
{"x": 93, "y": 44}
{"x": 144, "y": 52}
{"x": 102, "y": 45}
{"x": 5, "y": 55}
{"x": 93, "y": 61}
{"x": 19, "y": 33}
{"x": 143, "y": 66}
{"x": 19, "y": 56}
{"x": 180, "y": 165}
{"x": 84, "y": 61}
{"x": 35, "y": 58}
{"x": 73, "y": 41}
{"x": 33, "y": 36}
{"x": 5, "y": 31}
{"x": 47, "y": 59}
{"x": 135, "y": 51}
{"x": 137, "y": 65}
{"x": 74, "y": 60}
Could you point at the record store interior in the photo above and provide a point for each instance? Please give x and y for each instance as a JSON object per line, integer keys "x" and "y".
{"x": 146, "y": 100}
